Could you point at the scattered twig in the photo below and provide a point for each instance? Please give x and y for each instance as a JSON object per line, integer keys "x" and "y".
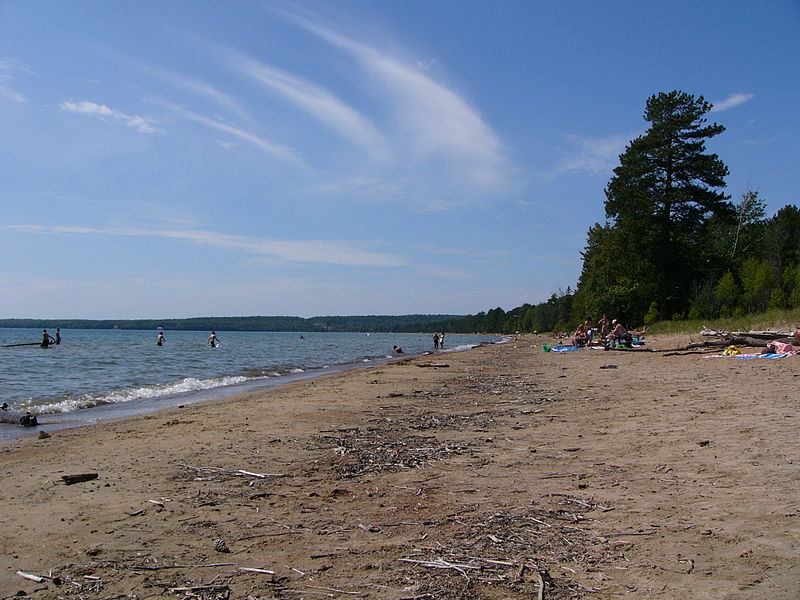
{"x": 255, "y": 570}
{"x": 164, "y": 567}
{"x": 233, "y": 471}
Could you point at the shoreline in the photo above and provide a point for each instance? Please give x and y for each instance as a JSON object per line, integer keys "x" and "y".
{"x": 594, "y": 474}
{"x": 55, "y": 421}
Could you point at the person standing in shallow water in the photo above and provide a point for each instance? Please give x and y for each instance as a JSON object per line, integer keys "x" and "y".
{"x": 160, "y": 339}
{"x": 435, "y": 341}
{"x": 213, "y": 340}
{"x": 47, "y": 339}
{"x": 58, "y": 336}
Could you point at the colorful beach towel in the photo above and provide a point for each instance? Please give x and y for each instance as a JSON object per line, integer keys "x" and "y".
{"x": 566, "y": 348}
{"x": 769, "y": 355}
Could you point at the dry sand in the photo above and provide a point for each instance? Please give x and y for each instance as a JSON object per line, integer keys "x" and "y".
{"x": 595, "y": 474}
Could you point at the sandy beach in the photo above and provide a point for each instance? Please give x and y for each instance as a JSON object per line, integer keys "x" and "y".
{"x": 500, "y": 472}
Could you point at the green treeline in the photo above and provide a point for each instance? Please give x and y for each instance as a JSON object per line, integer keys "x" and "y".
{"x": 673, "y": 245}
{"x": 372, "y": 323}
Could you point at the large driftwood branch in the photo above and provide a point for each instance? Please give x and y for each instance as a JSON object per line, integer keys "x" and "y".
{"x": 724, "y": 339}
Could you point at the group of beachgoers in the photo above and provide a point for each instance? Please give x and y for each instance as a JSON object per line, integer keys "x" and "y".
{"x": 213, "y": 340}
{"x": 438, "y": 340}
{"x": 48, "y": 340}
{"x": 609, "y": 333}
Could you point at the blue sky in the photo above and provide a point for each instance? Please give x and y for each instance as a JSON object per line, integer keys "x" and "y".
{"x": 191, "y": 158}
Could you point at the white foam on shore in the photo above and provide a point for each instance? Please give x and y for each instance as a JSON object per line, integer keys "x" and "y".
{"x": 155, "y": 392}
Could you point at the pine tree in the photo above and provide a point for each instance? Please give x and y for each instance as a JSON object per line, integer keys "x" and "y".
{"x": 661, "y": 199}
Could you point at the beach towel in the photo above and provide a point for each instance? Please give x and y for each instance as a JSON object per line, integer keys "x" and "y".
{"x": 566, "y": 348}
{"x": 769, "y": 355}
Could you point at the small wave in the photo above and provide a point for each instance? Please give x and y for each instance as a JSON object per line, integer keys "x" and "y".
{"x": 460, "y": 348}
{"x": 131, "y": 394}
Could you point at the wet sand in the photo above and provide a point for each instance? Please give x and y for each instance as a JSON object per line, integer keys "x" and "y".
{"x": 508, "y": 473}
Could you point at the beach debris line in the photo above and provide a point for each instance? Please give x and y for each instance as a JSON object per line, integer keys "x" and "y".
{"x": 515, "y": 551}
{"x": 374, "y": 450}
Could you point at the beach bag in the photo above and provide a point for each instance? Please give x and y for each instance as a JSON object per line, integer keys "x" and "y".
{"x": 731, "y": 351}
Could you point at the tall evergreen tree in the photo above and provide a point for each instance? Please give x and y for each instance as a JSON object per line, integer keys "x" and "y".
{"x": 663, "y": 195}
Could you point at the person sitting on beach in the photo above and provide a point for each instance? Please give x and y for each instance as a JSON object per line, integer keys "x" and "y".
{"x": 588, "y": 327}
{"x": 580, "y": 337}
{"x": 619, "y": 336}
{"x": 797, "y": 336}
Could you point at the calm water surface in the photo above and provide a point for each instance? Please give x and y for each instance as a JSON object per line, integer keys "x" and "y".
{"x": 99, "y": 374}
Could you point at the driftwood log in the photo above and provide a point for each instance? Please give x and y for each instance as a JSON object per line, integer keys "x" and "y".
{"x": 755, "y": 339}
{"x": 71, "y": 479}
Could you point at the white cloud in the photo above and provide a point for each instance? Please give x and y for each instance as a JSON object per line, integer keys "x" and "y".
{"x": 731, "y": 101}
{"x": 198, "y": 87}
{"x": 593, "y": 155}
{"x": 282, "y": 152}
{"x": 9, "y": 94}
{"x": 335, "y": 252}
{"x": 103, "y": 112}
{"x": 439, "y": 123}
{"x": 7, "y": 65}
{"x": 314, "y": 100}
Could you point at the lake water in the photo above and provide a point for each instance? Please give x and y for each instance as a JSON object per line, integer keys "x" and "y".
{"x": 99, "y": 374}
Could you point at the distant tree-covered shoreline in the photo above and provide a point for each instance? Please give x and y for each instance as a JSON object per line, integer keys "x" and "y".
{"x": 338, "y": 324}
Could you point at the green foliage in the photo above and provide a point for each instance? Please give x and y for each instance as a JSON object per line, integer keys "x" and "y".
{"x": 651, "y": 316}
{"x": 758, "y": 281}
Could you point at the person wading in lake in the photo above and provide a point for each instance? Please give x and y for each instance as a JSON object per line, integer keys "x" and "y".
{"x": 47, "y": 339}
{"x": 58, "y": 336}
{"x": 213, "y": 340}
{"x": 160, "y": 339}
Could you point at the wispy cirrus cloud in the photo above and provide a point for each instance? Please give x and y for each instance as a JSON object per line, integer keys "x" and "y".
{"x": 283, "y": 152}
{"x": 439, "y": 124}
{"x": 731, "y": 101}
{"x": 138, "y": 123}
{"x": 197, "y": 87}
{"x": 315, "y": 100}
{"x": 587, "y": 154}
{"x": 332, "y": 252}
{"x": 7, "y": 66}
